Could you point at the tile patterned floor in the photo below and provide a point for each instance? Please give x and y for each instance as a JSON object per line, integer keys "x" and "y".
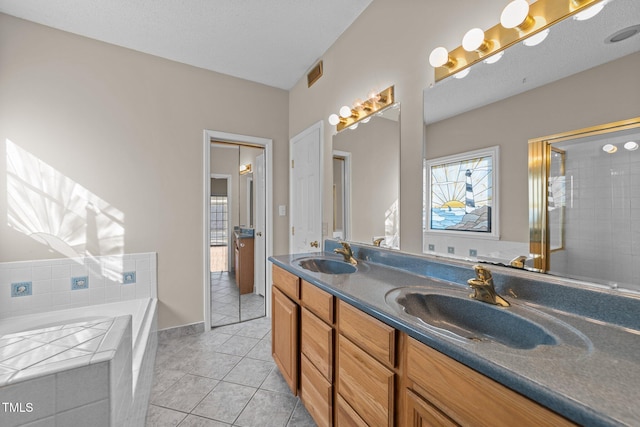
{"x": 227, "y": 305}
{"x": 225, "y": 377}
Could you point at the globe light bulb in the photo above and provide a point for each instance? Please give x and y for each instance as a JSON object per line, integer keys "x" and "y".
{"x": 473, "y": 40}
{"x": 345, "y": 111}
{"x": 334, "y": 119}
{"x": 514, "y": 14}
{"x": 439, "y": 57}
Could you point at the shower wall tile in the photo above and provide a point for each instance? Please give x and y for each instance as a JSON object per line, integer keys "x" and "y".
{"x": 51, "y": 282}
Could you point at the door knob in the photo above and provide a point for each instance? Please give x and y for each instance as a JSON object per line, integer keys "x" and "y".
{"x": 314, "y": 244}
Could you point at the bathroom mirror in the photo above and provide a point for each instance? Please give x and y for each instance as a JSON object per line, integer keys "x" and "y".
{"x": 366, "y": 181}
{"x": 236, "y": 292}
{"x": 582, "y": 75}
{"x": 582, "y": 202}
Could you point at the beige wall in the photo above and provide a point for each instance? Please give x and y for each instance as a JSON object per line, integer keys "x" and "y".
{"x": 128, "y": 127}
{"x": 389, "y": 44}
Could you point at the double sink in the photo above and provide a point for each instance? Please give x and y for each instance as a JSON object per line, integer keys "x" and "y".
{"x": 448, "y": 311}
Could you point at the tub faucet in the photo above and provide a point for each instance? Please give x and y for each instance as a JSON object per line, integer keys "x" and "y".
{"x": 376, "y": 242}
{"x": 483, "y": 289}
{"x": 346, "y": 252}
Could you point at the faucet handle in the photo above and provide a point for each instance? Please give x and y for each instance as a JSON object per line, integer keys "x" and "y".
{"x": 518, "y": 261}
{"x": 482, "y": 273}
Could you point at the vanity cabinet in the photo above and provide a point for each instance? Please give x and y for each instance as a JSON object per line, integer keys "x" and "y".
{"x": 365, "y": 366}
{"x": 442, "y": 391}
{"x": 285, "y": 314}
{"x": 351, "y": 369}
{"x": 244, "y": 264}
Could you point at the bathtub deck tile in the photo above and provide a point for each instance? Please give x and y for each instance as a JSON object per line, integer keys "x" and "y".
{"x": 33, "y": 356}
{"x": 19, "y": 347}
{"x": 91, "y": 345}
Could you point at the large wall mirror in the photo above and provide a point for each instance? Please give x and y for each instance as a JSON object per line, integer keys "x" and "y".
{"x": 366, "y": 181}
{"x": 583, "y": 75}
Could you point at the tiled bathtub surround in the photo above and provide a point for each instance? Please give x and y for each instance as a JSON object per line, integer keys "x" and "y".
{"x": 78, "y": 367}
{"x": 56, "y": 284}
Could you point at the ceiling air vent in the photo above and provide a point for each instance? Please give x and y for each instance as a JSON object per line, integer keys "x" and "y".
{"x": 314, "y": 74}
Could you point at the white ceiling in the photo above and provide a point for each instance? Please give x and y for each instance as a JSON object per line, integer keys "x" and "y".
{"x": 274, "y": 42}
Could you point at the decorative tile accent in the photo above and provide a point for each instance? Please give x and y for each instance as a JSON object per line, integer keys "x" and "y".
{"x": 451, "y": 249}
{"x": 21, "y": 289}
{"x": 128, "y": 277}
{"x": 81, "y": 282}
{"x": 52, "y": 286}
{"x": 432, "y": 247}
{"x": 473, "y": 252}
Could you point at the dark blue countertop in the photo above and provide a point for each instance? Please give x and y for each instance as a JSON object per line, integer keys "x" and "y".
{"x": 591, "y": 377}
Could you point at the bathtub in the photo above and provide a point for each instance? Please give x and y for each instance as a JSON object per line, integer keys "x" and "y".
{"x": 91, "y": 365}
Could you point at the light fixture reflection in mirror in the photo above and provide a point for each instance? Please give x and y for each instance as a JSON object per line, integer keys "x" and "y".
{"x": 519, "y": 21}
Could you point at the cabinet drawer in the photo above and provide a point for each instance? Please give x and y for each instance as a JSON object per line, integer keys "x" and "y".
{"x": 316, "y": 393}
{"x": 317, "y": 343}
{"x": 318, "y": 301}
{"x": 448, "y": 384}
{"x": 369, "y": 333}
{"x": 286, "y": 282}
{"x": 365, "y": 384}
{"x": 346, "y": 416}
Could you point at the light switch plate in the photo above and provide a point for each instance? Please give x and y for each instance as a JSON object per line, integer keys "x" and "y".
{"x": 282, "y": 210}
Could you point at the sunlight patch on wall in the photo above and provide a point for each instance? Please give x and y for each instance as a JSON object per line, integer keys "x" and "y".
{"x": 392, "y": 226}
{"x": 56, "y": 211}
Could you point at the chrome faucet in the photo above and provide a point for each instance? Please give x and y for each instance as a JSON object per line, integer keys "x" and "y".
{"x": 346, "y": 252}
{"x": 483, "y": 289}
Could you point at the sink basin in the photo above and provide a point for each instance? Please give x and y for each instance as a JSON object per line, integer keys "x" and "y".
{"x": 327, "y": 266}
{"x": 472, "y": 320}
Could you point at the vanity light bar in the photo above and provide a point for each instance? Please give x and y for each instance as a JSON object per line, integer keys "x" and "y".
{"x": 541, "y": 15}
{"x": 351, "y": 116}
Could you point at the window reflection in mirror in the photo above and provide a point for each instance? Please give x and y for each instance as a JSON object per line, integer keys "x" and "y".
{"x": 366, "y": 181}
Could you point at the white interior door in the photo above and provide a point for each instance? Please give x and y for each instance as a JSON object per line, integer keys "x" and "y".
{"x": 306, "y": 191}
{"x": 259, "y": 238}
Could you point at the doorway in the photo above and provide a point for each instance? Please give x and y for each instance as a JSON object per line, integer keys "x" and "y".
{"x": 238, "y": 228}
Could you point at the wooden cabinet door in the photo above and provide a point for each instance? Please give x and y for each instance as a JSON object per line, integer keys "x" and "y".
{"x": 316, "y": 393}
{"x": 284, "y": 337}
{"x": 346, "y": 416}
{"x": 448, "y": 384}
{"x": 366, "y": 384}
{"x": 419, "y": 413}
{"x": 316, "y": 342}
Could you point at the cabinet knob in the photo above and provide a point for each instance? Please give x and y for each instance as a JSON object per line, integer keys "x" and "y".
{"x": 314, "y": 244}
{"x": 242, "y": 245}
